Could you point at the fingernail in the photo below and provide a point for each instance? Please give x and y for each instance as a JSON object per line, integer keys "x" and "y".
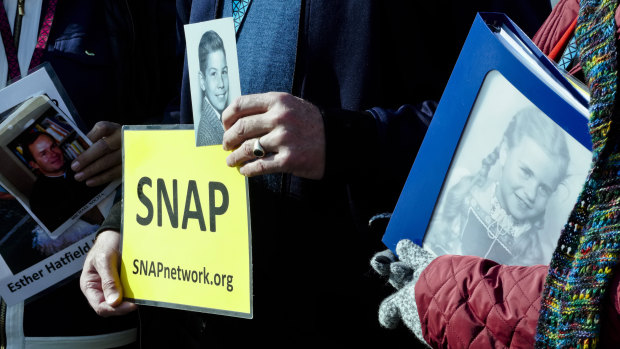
{"x": 75, "y": 165}
{"x": 79, "y": 176}
{"x": 112, "y": 298}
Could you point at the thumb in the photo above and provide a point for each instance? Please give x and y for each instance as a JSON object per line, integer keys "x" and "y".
{"x": 110, "y": 280}
{"x": 389, "y": 313}
{"x": 414, "y": 255}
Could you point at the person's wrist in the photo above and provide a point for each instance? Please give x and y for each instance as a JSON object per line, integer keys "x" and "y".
{"x": 107, "y": 234}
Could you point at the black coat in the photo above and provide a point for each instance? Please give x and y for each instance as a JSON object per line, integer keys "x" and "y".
{"x": 117, "y": 60}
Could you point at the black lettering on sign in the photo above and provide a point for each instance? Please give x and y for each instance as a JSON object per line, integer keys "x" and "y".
{"x": 216, "y": 210}
{"x": 192, "y": 195}
{"x": 192, "y": 198}
{"x": 173, "y": 209}
{"x": 145, "y": 201}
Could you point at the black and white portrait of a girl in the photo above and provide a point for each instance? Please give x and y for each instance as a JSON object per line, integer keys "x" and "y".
{"x": 512, "y": 183}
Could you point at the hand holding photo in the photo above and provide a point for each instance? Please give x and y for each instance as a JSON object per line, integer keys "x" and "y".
{"x": 37, "y": 144}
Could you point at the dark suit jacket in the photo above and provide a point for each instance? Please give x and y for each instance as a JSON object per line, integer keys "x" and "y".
{"x": 369, "y": 65}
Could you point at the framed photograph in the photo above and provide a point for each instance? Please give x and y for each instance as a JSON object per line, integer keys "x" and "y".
{"x": 32, "y": 260}
{"x": 37, "y": 144}
{"x": 505, "y": 156}
{"x": 213, "y": 75}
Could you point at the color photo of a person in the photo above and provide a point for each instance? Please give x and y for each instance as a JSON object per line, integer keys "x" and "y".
{"x": 56, "y": 195}
{"x": 213, "y": 77}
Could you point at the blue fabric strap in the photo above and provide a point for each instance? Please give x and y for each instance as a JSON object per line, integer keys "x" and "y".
{"x": 239, "y": 8}
{"x": 566, "y": 62}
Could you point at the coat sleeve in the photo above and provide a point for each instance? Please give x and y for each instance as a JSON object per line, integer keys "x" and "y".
{"x": 610, "y": 328}
{"x": 113, "y": 219}
{"x": 471, "y": 302}
{"x": 372, "y": 152}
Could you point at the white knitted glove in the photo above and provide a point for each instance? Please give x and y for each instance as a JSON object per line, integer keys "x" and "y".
{"x": 403, "y": 275}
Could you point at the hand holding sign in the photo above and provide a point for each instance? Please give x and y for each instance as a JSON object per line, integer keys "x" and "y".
{"x": 100, "y": 281}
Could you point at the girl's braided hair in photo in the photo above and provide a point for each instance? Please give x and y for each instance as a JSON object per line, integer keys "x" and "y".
{"x": 528, "y": 122}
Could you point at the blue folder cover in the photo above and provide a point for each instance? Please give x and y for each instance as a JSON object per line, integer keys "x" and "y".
{"x": 482, "y": 53}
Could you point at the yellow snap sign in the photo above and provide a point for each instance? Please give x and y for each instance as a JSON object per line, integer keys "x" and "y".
{"x": 186, "y": 239}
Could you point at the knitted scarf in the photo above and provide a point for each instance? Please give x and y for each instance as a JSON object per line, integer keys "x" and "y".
{"x": 584, "y": 261}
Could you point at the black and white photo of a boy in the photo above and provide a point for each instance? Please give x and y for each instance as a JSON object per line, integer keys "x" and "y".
{"x": 213, "y": 79}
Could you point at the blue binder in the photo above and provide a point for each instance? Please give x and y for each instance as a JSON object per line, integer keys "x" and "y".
{"x": 485, "y": 50}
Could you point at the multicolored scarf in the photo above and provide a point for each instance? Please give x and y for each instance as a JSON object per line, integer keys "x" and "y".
{"x": 586, "y": 257}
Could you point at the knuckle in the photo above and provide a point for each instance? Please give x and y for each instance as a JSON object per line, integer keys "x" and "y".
{"x": 90, "y": 153}
{"x": 232, "y": 159}
{"x": 89, "y": 170}
{"x": 240, "y": 128}
{"x": 107, "y": 284}
{"x": 280, "y": 96}
{"x": 275, "y": 98}
{"x": 238, "y": 156}
{"x": 248, "y": 148}
{"x": 288, "y": 116}
{"x": 102, "y": 145}
{"x": 235, "y": 106}
{"x": 284, "y": 99}
{"x": 99, "y": 125}
{"x": 283, "y": 136}
{"x": 107, "y": 125}
{"x": 98, "y": 130}
{"x": 282, "y": 117}
{"x": 89, "y": 285}
{"x": 98, "y": 165}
